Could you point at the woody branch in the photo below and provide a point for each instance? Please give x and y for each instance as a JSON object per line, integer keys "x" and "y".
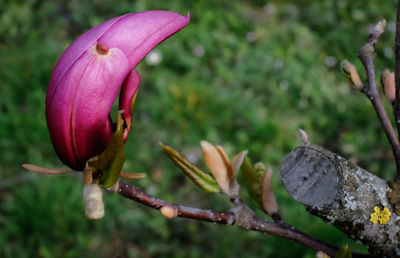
{"x": 240, "y": 216}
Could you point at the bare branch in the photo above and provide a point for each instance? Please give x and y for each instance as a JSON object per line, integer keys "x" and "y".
{"x": 240, "y": 216}
{"x": 345, "y": 196}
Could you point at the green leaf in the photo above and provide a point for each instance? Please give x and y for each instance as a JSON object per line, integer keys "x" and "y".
{"x": 201, "y": 178}
{"x": 253, "y": 177}
{"x": 111, "y": 160}
{"x": 344, "y": 252}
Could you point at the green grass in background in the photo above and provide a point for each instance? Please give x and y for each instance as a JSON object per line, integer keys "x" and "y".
{"x": 242, "y": 74}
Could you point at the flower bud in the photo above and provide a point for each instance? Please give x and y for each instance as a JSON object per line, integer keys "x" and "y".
{"x": 92, "y": 196}
{"x": 88, "y": 76}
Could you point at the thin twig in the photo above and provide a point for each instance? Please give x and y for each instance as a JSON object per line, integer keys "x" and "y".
{"x": 46, "y": 171}
{"x": 240, "y": 216}
{"x": 135, "y": 194}
{"x": 367, "y": 57}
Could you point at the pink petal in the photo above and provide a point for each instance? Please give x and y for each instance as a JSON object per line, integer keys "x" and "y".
{"x": 78, "y": 118}
{"x": 137, "y": 33}
{"x": 75, "y": 50}
{"x": 127, "y": 98}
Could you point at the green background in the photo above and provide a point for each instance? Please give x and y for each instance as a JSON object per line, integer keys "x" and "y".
{"x": 268, "y": 68}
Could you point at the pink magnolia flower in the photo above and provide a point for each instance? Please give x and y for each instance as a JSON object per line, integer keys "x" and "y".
{"x": 89, "y": 74}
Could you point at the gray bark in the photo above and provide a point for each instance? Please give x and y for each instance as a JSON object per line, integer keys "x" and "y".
{"x": 342, "y": 194}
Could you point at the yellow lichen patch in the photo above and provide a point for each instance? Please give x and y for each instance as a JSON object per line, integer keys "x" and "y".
{"x": 380, "y": 216}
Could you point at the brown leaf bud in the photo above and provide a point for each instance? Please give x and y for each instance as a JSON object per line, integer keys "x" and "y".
{"x": 231, "y": 173}
{"x": 169, "y": 212}
{"x": 217, "y": 164}
{"x": 379, "y": 28}
{"x": 388, "y": 85}
{"x": 269, "y": 202}
{"x": 351, "y": 74}
{"x": 237, "y": 161}
{"x": 304, "y": 137}
{"x": 321, "y": 254}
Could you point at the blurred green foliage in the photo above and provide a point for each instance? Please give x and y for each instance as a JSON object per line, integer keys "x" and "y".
{"x": 242, "y": 74}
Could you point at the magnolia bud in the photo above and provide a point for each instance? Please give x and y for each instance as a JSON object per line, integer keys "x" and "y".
{"x": 94, "y": 207}
{"x": 351, "y": 75}
{"x": 89, "y": 75}
{"x": 388, "y": 85}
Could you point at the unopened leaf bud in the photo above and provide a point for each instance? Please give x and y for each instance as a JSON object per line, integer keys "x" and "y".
{"x": 269, "y": 202}
{"x": 379, "y": 28}
{"x": 351, "y": 74}
{"x": 198, "y": 176}
{"x": 304, "y": 137}
{"x": 169, "y": 212}
{"x": 94, "y": 206}
{"x": 237, "y": 161}
{"x": 217, "y": 165}
{"x": 253, "y": 177}
{"x": 388, "y": 85}
{"x": 321, "y": 254}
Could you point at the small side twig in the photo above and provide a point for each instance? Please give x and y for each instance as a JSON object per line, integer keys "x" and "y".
{"x": 367, "y": 57}
{"x": 240, "y": 216}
